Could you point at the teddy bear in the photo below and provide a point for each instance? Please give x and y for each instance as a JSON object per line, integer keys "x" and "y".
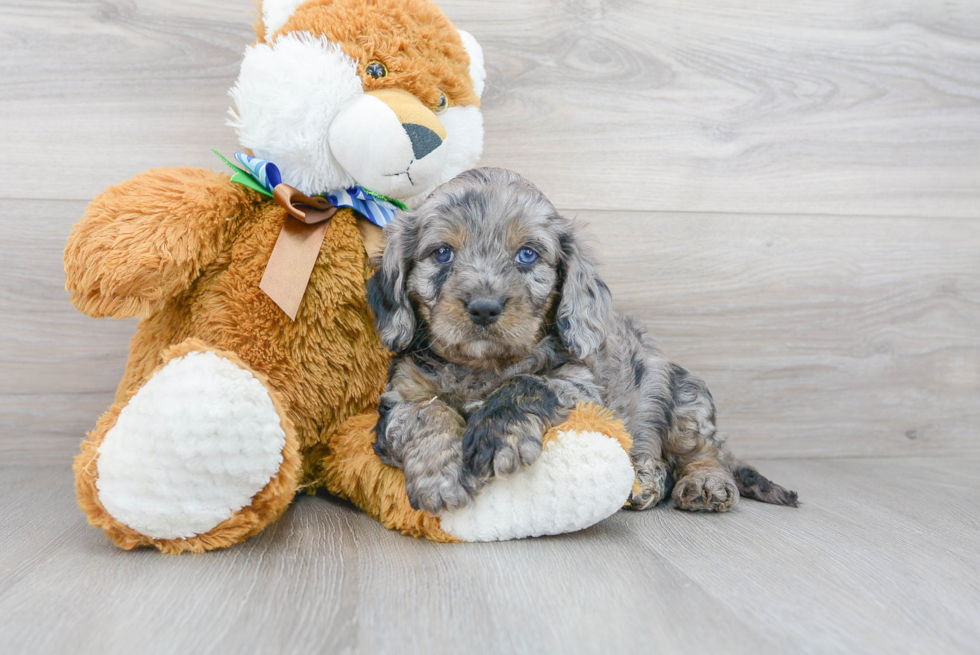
{"x": 255, "y": 370}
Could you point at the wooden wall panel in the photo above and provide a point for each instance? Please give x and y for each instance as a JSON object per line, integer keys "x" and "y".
{"x": 810, "y": 107}
{"x": 819, "y": 336}
{"x": 785, "y": 194}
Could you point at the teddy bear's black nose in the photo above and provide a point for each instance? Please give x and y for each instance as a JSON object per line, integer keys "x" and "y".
{"x": 423, "y": 139}
{"x": 484, "y": 311}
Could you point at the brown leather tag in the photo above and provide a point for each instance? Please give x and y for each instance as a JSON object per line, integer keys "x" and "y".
{"x": 292, "y": 260}
{"x": 291, "y": 264}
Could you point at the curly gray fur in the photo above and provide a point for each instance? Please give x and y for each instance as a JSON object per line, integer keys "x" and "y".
{"x": 491, "y": 350}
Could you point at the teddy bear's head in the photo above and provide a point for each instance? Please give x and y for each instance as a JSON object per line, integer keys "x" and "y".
{"x": 381, "y": 94}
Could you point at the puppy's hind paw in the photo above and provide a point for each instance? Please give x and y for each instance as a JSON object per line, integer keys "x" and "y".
{"x": 706, "y": 491}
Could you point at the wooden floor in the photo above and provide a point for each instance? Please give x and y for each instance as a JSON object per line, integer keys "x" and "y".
{"x": 882, "y": 557}
{"x": 788, "y": 194}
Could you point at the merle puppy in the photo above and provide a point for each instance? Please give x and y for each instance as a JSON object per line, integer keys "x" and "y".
{"x": 500, "y": 324}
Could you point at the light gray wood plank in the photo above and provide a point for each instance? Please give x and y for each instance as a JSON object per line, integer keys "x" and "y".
{"x": 819, "y": 107}
{"x": 58, "y": 368}
{"x": 881, "y": 557}
{"x": 853, "y": 570}
{"x": 73, "y": 122}
{"x": 327, "y": 575}
{"x": 815, "y": 107}
{"x": 819, "y": 336}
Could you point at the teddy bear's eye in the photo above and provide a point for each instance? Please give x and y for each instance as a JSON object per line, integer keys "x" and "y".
{"x": 443, "y": 103}
{"x": 376, "y": 69}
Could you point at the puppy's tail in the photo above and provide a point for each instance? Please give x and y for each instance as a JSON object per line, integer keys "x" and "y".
{"x": 752, "y": 484}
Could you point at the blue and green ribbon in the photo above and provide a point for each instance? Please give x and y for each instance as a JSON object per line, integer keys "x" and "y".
{"x": 263, "y": 176}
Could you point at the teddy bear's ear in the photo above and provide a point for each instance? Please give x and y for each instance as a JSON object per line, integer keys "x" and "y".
{"x": 275, "y": 13}
{"x": 477, "y": 71}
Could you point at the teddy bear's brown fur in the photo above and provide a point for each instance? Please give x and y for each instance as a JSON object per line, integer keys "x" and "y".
{"x": 185, "y": 249}
{"x": 409, "y": 35}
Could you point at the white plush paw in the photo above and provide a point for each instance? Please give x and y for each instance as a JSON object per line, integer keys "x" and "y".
{"x": 579, "y": 479}
{"x": 192, "y": 447}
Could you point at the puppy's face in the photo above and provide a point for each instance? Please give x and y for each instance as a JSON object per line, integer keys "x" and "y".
{"x": 485, "y": 267}
{"x": 483, "y": 270}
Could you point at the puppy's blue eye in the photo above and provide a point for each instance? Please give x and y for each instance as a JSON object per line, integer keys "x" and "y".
{"x": 444, "y": 255}
{"x": 526, "y": 256}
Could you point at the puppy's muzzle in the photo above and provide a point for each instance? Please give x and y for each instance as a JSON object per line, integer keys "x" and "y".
{"x": 484, "y": 311}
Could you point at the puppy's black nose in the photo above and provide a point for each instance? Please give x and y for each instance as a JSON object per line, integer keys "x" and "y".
{"x": 484, "y": 311}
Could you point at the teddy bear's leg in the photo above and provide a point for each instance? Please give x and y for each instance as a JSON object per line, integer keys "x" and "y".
{"x": 202, "y": 456}
{"x": 352, "y": 470}
{"x": 583, "y": 475}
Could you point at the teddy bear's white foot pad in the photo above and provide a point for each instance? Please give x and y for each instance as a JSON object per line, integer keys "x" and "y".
{"x": 193, "y": 446}
{"x": 579, "y": 479}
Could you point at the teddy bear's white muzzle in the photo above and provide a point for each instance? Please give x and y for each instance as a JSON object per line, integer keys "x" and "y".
{"x": 384, "y": 153}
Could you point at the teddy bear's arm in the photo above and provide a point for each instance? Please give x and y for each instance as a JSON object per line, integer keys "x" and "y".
{"x": 145, "y": 240}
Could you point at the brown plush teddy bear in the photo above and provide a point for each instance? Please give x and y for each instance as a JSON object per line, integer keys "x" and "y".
{"x": 255, "y": 369}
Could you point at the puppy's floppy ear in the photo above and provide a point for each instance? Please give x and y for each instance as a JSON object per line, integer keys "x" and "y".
{"x": 394, "y": 316}
{"x": 585, "y": 302}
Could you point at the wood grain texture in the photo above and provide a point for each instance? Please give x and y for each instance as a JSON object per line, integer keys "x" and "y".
{"x": 850, "y": 571}
{"x": 819, "y": 336}
{"x": 785, "y": 194}
{"x": 58, "y": 368}
{"x": 875, "y": 561}
{"x": 814, "y": 107}
{"x": 830, "y": 107}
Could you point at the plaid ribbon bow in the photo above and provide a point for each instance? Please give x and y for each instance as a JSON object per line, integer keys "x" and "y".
{"x": 263, "y": 176}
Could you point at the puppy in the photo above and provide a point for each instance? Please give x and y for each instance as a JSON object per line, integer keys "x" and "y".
{"x": 500, "y": 324}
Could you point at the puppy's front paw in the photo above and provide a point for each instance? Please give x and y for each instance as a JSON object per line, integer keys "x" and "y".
{"x": 500, "y": 446}
{"x": 711, "y": 490}
{"x": 653, "y": 483}
{"x": 433, "y": 488}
